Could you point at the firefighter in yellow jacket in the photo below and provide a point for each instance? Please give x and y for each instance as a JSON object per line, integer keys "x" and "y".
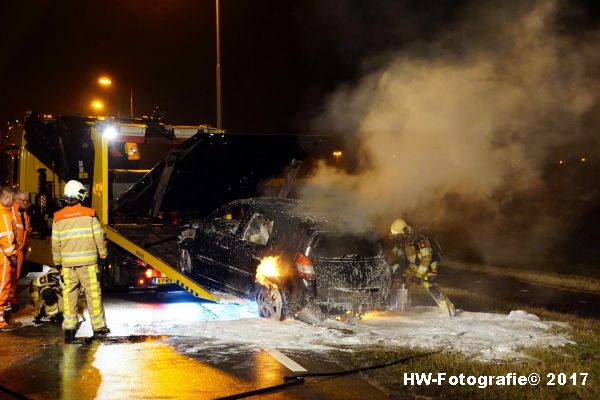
{"x": 78, "y": 244}
{"x": 419, "y": 254}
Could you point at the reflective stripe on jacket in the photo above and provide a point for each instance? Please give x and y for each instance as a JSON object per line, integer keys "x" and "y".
{"x": 7, "y": 231}
{"x": 77, "y": 237}
{"x": 22, "y": 225}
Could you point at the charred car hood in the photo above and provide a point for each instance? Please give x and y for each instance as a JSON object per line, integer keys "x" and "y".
{"x": 218, "y": 168}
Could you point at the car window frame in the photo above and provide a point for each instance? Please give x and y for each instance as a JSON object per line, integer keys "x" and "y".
{"x": 209, "y": 227}
{"x": 252, "y": 213}
{"x": 317, "y": 234}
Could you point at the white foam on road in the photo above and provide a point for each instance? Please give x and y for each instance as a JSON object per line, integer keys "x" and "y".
{"x": 483, "y": 336}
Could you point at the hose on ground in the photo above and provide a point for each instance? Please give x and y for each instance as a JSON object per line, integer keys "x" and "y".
{"x": 361, "y": 369}
{"x": 12, "y": 394}
{"x": 297, "y": 379}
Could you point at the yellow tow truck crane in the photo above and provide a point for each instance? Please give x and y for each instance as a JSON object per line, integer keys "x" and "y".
{"x": 108, "y": 155}
{"x": 146, "y": 180}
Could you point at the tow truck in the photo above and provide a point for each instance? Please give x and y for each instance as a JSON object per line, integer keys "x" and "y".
{"x": 146, "y": 179}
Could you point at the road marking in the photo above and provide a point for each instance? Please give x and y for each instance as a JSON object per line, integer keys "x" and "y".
{"x": 285, "y": 360}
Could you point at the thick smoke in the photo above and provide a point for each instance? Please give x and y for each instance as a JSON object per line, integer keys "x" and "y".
{"x": 456, "y": 135}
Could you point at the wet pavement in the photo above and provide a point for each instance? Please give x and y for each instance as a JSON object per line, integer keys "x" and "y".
{"x": 153, "y": 352}
{"x": 38, "y": 365}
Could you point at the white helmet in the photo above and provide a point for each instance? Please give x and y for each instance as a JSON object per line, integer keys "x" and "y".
{"x": 74, "y": 190}
{"x": 400, "y": 227}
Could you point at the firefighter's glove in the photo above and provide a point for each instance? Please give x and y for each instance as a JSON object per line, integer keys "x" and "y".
{"x": 13, "y": 261}
{"x": 421, "y": 272}
{"x": 433, "y": 278}
{"x": 58, "y": 267}
{"x": 411, "y": 278}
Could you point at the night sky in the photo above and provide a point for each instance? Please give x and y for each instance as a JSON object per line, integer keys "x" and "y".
{"x": 279, "y": 58}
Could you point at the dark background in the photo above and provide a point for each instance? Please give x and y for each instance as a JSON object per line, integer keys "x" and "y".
{"x": 280, "y": 60}
{"x": 278, "y": 57}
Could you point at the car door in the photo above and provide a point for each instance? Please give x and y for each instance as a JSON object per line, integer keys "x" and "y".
{"x": 215, "y": 241}
{"x": 252, "y": 245}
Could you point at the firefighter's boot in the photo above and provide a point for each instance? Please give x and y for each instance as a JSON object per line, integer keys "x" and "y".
{"x": 100, "y": 334}
{"x": 69, "y": 335}
{"x": 440, "y": 298}
{"x": 447, "y": 307}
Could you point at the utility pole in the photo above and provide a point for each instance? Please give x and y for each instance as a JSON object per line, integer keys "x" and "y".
{"x": 131, "y": 102}
{"x": 219, "y": 121}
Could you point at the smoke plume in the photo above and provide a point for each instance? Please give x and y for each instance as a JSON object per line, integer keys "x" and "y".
{"x": 457, "y": 134}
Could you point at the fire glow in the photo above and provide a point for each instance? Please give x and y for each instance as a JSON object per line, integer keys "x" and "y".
{"x": 267, "y": 270}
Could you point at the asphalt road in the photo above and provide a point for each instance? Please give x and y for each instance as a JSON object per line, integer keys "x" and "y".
{"x": 37, "y": 364}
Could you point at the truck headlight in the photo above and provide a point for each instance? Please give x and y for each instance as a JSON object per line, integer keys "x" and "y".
{"x": 110, "y": 132}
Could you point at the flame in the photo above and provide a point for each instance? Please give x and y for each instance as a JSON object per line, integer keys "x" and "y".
{"x": 373, "y": 315}
{"x": 267, "y": 270}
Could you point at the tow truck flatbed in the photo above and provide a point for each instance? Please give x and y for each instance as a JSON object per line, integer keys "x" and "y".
{"x": 159, "y": 251}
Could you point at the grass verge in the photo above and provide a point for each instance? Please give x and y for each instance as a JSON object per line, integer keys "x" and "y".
{"x": 561, "y": 281}
{"x": 581, "y": 357}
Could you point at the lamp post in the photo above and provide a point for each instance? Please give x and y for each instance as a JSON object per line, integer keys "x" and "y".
{"x": 131, "y": 102}
{"x": 219, "y": 121}
{"x": 106, "y": 82}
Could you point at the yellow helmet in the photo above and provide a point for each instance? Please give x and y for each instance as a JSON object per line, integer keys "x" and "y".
{"x": 400, "y": 227}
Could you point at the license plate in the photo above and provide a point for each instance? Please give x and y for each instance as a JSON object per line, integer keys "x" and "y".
{"x": 161, "y": 281}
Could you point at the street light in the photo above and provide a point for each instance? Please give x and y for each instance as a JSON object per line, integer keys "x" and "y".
{"x": 97, "y": 105}
{"x": 104, "y": 81}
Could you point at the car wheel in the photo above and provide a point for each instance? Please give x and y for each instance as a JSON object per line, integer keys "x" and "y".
{"x": 271, "y": 303}
{"x": 185, "y": 261}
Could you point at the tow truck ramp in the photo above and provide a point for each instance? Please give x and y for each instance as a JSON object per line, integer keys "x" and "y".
{"x": 160, "y": 252}
{"x": 201, "y": 174}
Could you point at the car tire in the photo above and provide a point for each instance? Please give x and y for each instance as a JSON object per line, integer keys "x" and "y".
{"x": 185, "y": 261}
{"x": 272, "y": 302}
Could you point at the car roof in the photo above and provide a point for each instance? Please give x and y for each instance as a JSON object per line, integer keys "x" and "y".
{"x": 300, "y": 213}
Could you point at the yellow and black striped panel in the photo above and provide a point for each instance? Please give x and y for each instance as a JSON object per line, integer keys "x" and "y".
{"x": 171, "y": 271}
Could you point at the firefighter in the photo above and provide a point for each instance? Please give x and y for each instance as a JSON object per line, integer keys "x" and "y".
{"x": 8, "y": 256}
{"x": 22, "y": 226}
{"x": 418, "y": 254}
{"x": 78, "y": 244}
{"x": 46, "y": 296}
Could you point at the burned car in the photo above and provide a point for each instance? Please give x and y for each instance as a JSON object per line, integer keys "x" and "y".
{"x": 294, "y": 262}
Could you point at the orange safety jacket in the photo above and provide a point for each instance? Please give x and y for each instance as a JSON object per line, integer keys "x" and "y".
{"x": 7, "y": 231}
{"x": 22, "y": 225}
{"x": 77, "y": 237}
